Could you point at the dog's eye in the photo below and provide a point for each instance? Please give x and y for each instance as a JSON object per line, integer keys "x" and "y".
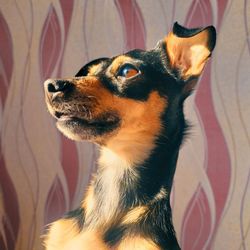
{"x": 128, "y": 71}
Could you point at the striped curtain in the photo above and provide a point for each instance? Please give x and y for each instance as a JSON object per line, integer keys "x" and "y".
{"x": 43, "y": 174}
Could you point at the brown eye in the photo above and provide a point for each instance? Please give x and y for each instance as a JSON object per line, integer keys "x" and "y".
{"x": 128, "y": 71}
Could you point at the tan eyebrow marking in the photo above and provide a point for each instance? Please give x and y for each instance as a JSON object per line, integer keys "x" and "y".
{"x": 92, "y": 69}
{"x": 118, "y": 62}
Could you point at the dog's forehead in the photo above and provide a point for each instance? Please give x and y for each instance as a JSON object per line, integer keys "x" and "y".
{"x": 137, "y": 57}
{"x": 136, "y": 53}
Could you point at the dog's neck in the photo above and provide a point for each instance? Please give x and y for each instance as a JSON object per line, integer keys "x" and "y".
{"x": 151, "y": 168}
{"x": 151, "y": 159}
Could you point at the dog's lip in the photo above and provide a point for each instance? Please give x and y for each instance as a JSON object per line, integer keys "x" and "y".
{"x": 62, "y": 116}
{"x": 104, "y": 120}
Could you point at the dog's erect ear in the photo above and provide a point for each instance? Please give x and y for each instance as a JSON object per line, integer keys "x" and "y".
{"x": 188, "y": 50}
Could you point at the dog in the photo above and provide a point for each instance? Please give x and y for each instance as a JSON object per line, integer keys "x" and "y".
{"x": 131, "y": 105}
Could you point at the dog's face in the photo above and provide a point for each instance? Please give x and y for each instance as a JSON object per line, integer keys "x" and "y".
{"x": 115, "y": 100}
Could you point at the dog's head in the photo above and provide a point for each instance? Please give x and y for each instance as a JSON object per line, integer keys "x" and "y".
{"x": 133, "y": 97}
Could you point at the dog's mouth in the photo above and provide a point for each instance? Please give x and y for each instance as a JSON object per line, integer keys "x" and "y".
{"x": 86, "y": 128}
{"x": 108, "y": 119}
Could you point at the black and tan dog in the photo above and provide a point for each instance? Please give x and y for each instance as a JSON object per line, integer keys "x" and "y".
{"x": 132, "y": 106}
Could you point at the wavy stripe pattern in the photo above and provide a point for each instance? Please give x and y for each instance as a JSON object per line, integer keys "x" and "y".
{"x": 43, "y": 174}
{"x": 9, "y": 207}
{"x": 217, "y": 163}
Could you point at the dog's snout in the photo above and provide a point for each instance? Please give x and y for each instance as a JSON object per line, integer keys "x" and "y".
{"x": 54, "y": 86}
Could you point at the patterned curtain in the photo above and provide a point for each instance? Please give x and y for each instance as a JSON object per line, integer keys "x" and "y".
{"x": 43, "y": 174}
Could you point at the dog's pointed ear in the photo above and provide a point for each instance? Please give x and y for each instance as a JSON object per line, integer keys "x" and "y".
{"x": 188, "y": 50}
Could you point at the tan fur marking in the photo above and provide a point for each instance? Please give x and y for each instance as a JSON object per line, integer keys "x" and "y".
{"x": 135, "y": 214}
{"x": 92, "y": 70}
{"x": 142, "y": 126}
{"x": 188, "y": 54}
{"x": 60, "y": 232}
{"x": 89, "y": 201}
{"x": 89, "y": 240}
{"x": 137, "y": 243}
{"x": 64, "y": 235}
{"x": 161, "y": 195}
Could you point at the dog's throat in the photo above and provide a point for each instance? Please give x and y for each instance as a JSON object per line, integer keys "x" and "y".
{"x": 114, "y": 174}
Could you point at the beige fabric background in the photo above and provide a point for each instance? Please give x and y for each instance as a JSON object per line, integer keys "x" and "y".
{"x": 43, "y": 174}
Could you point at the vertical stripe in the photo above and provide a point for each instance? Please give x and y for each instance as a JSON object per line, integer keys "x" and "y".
{"x": 133, "y": 24}
{"x": 217, "y": 163}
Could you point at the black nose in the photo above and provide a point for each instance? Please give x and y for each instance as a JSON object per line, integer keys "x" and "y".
{"x": 54, "y": 86}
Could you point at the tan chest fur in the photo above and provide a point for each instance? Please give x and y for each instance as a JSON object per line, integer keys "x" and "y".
{"x": 65, "y": 236}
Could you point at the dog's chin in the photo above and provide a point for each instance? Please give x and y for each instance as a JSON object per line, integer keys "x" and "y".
{"x": 79, "y": 129}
